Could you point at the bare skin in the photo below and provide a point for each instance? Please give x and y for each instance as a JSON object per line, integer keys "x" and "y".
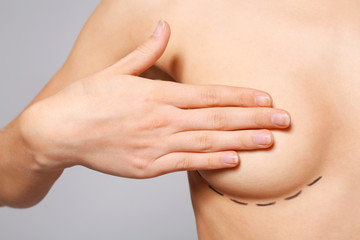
{"x": 305, "y": 54}
{"x": 118, "y": 123}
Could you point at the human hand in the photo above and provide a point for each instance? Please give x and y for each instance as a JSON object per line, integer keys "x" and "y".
{"x": 124, "y": 125}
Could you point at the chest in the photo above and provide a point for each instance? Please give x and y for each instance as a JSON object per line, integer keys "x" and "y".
{"x": 304, "y": 59}
{"x": 311, "y": 68}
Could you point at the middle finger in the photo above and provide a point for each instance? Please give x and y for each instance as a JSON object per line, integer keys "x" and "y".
{"x": 231, "y": 118}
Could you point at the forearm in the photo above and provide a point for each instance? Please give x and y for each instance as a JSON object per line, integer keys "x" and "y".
{"x": 22, "y": 182}
{"x": 104, "y": 39}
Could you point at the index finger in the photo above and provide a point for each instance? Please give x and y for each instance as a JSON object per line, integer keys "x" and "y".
{"x": 202, "y": 96}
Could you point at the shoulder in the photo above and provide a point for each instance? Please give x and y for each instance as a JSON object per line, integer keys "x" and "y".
{"x": 129, "y": 23}
{"x": 115, "y": 28}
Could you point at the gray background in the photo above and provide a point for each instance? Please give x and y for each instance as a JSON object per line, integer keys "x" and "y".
{"x": 36, "y": 37}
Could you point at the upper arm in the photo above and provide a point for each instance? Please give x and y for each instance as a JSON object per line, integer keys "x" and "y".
{"x": 113, "y": 30}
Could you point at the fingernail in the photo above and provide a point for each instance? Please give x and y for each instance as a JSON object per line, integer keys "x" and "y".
{"x": 280, "y": 119}
{"x": 263, "y": 100}
{"x": 159, "y": 29}
{"x": 262, "y": 139}
{"x": 231, "y": 159}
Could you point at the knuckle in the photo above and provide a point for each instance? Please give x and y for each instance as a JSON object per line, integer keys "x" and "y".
{"x": 140, "y": 165}
{"x": 211, "y": 161}
{"x": 218, "y": 119}
{"x": 247, "y": 142}
{"x": 144, "y": 49}
{"x": 205, "y": 142}
{"x": 243, "y": 94}
{"x": 185, "y": 163}
{"x": 260, "y": 118}
{"x": 156, "y": 118}
{"x": 210, "y": 97}
{"x": 242, "y": 141}
{"x": 159, "y": 121}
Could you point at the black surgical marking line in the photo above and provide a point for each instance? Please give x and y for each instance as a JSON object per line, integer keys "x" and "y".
{"x": 262, "y": 204}
{"x": 294, "y": 196}
{"x": 315, "y": 181}
{"x": 216, "y": 190}
{"x": 238, "y": 202}
{"x": 265, "y": 204}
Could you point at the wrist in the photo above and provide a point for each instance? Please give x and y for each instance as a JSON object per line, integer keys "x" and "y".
{"x": 36, "y": 131}
{"x": 15, "y": 152}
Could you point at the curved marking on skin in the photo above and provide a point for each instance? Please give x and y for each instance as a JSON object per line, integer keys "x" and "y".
{"x": 315, "y": 181}
{"x": 216, "y": 190}
{"x": 262, "y": 204}
{"x": 294, "y": 196}
{"x": 265, "y": 204}
{"x": 238, "y": 202}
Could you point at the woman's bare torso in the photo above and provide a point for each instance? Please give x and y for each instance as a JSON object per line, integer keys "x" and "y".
{"x": 306, "y": 54}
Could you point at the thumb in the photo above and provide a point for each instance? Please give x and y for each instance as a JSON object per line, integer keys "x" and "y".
{"x": 145, "y": 55}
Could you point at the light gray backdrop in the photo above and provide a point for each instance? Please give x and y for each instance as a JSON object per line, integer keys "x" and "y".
{"x": 35, "y": 39}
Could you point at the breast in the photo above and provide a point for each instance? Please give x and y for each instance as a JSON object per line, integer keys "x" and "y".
{"x": 297, "y": 157}
{"x": 300, "y": 152}
{"x": 307, "y": 67}
{"x": 322, "y": 137}
{"x": 297, "y": 73}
